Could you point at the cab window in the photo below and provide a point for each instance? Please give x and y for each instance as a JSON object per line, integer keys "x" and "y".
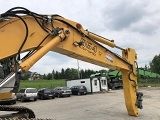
{"x": 22, "y": 91}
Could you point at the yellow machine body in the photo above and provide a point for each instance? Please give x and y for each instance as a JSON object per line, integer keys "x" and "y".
{"x": 73, "y": 41}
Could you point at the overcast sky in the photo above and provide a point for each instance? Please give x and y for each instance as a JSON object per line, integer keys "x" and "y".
{"x": 134, "y": 24}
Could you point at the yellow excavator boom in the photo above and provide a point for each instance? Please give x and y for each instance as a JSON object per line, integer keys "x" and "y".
{"x": 38, "y": 34}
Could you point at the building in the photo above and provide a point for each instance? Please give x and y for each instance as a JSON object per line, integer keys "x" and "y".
{"x": 34, "y": 76}
{"x": 93, "y": 84}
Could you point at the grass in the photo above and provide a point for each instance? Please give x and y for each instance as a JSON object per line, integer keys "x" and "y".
{"x": 148, "y": 84}
{"x": 42, "y": 83}
{"x": 54, "y": 83}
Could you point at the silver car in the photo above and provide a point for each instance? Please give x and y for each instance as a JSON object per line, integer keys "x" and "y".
{"x": 62, "y": 91}
{"x": 27, "y": 94}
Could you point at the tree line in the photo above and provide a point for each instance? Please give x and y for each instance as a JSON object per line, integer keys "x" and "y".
{"x": 72, "y": 73}
{"x": 155, "y": 64}
{"x": 69, "y": 73}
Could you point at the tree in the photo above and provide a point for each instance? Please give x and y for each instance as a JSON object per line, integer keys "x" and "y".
{"x": 53, "y": 74}
{"x": 49, "y": 76}
{"x": 67, "y": 73}
{"x": 56, "y": 75}
{"x": 74, "y": 74}
{"x": 71, "y": 73}
{"x": 44, "y": 77}
{"x": 25, "y": 76}
{"x": 62, "y": 74}
{"x": 155, "y": 64}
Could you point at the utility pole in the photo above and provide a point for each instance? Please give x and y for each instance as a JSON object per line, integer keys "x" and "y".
{"x": 78, "y": 69}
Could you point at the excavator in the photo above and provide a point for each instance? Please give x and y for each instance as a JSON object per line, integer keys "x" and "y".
{"x": 24, "y": 31}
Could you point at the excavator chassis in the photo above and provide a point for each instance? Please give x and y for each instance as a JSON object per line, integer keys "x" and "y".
{"x": 21, "y": 112}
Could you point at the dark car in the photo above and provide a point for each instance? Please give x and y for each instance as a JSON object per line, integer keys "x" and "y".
{"x": 62, "y": 91}
{"x": 79, "y": 90}
{"x": 46, "y": 93}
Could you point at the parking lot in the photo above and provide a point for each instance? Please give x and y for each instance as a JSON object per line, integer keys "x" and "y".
{"x": 98, "y": 106}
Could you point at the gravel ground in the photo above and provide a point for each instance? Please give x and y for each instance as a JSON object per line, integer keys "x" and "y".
{"x": 99, "y": 106}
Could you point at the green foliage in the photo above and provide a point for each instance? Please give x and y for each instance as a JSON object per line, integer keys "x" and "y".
{"x": 155, "y": 64}
{"x": 62, "y": 74}
{"x": 42, "y": 83}
{"x": 71, "y": 73}
{"x": 44, "y": 77}
{"x": 25, "y": 76}
{"x": 49, "y": 76}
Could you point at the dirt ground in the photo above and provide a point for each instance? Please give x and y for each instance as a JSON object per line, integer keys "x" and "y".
{"x": 101, "y": 106}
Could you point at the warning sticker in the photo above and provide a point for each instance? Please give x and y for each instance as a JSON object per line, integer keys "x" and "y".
{"x": 109, "y": 57}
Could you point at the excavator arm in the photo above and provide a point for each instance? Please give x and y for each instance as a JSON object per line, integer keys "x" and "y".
{"x": 24, "y": 31}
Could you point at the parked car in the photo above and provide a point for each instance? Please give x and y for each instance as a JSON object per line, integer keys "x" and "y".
{"x": 62, "y": 91}
{"x": 9, "y": 101}
{"x": 79, "y": 90}
{"x": 27, "y": 94}
{"x": 46, "y": 93}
